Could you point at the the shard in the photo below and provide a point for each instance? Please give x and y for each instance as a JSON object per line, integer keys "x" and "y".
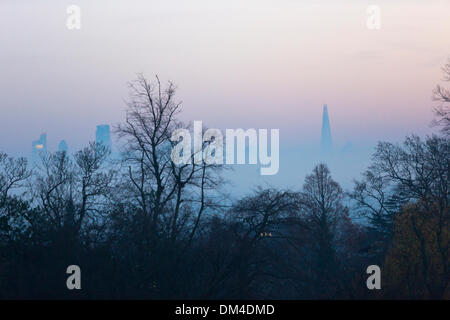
{"x": 326, "y": 142}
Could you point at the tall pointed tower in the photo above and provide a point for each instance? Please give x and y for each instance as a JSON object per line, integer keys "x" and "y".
{"x": 326, "y": 142}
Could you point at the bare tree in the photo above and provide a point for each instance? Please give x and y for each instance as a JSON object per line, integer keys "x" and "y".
{"x": 171, "y": 198}
{"x": 71, "y": 191}
{"x": 442, "y": 96}
{"x": 375, "y": 200}
{"x": 418, "y": 169}
{"x": 13, "y": 174}
{"x": 163, "y": 203}
{"x": 323, "y": 209}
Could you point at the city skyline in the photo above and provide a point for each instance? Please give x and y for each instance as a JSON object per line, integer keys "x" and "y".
{"x": 103, "y": 137}
{"x": 40, "y": 147}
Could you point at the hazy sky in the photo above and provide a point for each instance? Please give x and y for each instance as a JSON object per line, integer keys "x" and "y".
{"x": 237, "y": 63}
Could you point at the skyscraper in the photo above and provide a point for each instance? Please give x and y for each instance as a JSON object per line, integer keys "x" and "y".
{"x": 326, "y": 143}
{"x": 39, "y": 148}
{"x": 102, "y": 136}
{"x": 62, "y": 147}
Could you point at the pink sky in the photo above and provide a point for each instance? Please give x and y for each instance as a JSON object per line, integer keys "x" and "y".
{"x": 253, "y": 63}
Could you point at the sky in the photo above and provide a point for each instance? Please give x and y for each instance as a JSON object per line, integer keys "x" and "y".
{"x": 237, "y": 64}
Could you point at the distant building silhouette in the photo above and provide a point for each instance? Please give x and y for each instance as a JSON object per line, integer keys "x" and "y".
{"x": 348, "y": 147}
{"x": 39, "y": 148}
{"x": 103, "y": 136}
{"x": 62, "y": 147}
{"x": 326, "y": 142}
